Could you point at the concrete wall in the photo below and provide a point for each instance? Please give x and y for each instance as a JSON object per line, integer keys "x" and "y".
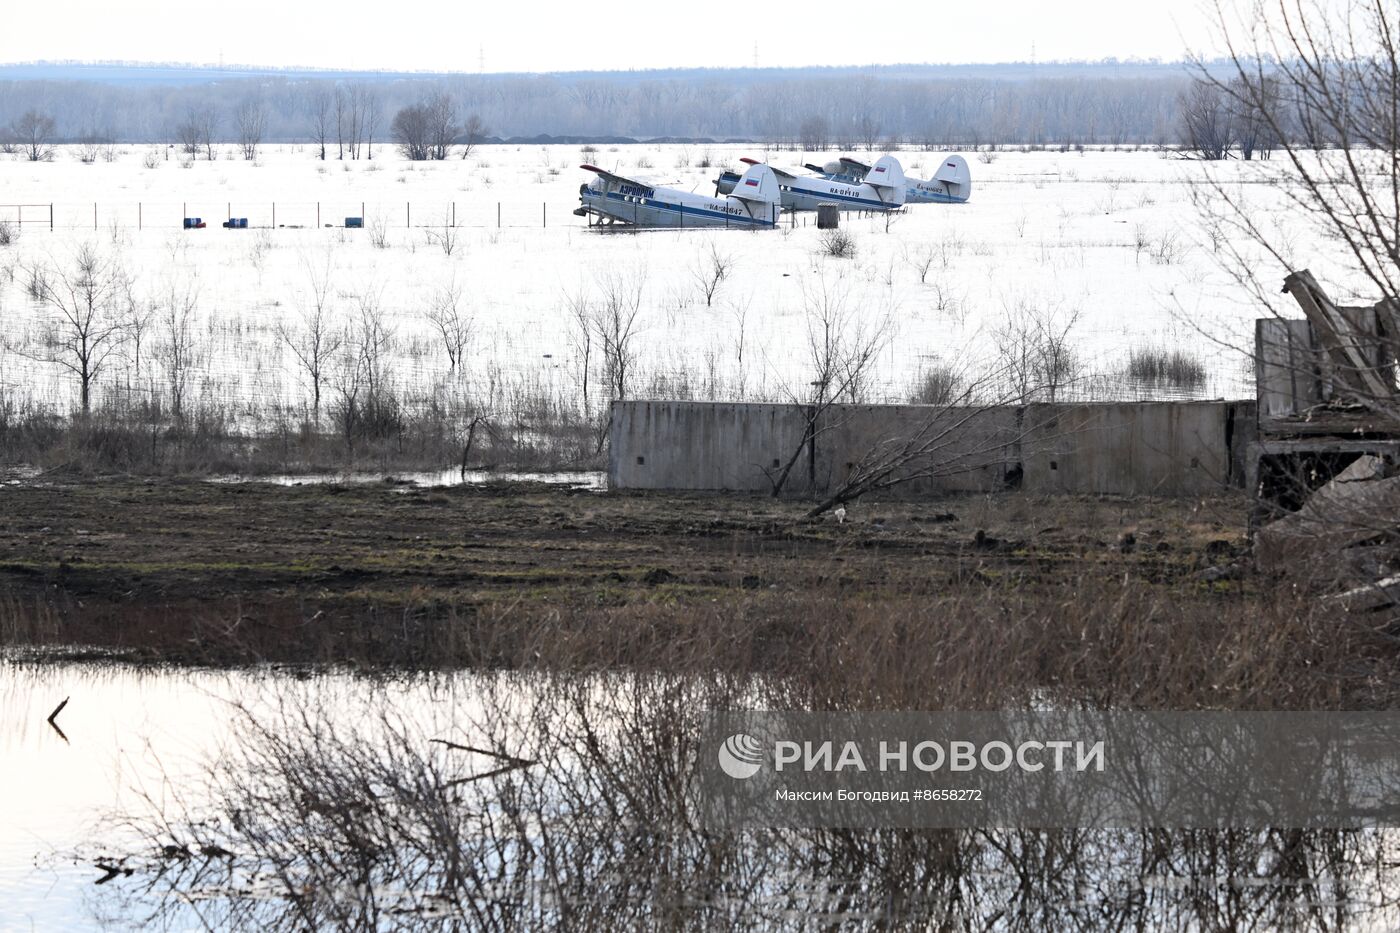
{"x": 1129, "y": 448}
{"x": 693, "y": 445}
{"x": 962, "y": 450}
{"x": 1138, "y": 448}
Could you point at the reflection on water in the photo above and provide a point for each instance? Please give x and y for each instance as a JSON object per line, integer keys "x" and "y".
{"x": 511, "y": 801}
{"x": 582, "y": 480}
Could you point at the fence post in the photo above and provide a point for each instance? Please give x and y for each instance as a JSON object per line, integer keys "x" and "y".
{"x": 274, "y": 215}
{"x": 454, "y": 213}
{"x": 51, "y": 217}
{"x": 498, "y": 215}
{"x": 408, "y": 214}
{"x": 544, "y": 211}
{"x": 139, "y": 216}
{"x": 94, "y": 216}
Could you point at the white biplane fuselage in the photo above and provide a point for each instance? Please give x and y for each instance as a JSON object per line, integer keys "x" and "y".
{"x": 882, "y": 190}
{"x": 754, "y": 204}
{"x": 951, "y": 184}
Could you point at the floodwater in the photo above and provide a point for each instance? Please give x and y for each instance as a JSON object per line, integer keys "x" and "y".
{"x": 295, "y": 799}
{"x": 592, "y": 479}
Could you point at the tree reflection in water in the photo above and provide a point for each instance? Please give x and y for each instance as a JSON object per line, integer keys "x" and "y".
{"x": 568, "y": 802}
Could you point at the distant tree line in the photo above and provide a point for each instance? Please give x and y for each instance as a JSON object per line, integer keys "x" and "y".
{"x": 426, "y": 118}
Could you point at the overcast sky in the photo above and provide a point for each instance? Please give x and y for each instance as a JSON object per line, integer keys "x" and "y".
{"x": 552, "y": 36}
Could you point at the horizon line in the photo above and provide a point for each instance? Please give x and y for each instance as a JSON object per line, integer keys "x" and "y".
{"x": 329, "y": 70}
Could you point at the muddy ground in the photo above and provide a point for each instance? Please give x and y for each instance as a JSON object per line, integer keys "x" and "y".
{"x": 113, "y": 561}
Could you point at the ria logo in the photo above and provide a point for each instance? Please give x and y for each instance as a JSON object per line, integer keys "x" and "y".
{"x": 741, "y": 756}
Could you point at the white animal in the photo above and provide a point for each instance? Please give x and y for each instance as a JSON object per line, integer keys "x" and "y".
{"x": 840, "y": 514}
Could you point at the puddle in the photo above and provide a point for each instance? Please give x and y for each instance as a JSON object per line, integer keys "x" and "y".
{"x": 594, "y": 480}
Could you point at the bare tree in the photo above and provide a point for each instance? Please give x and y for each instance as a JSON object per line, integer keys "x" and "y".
{"x": 580, "y": 318}
{"x": 343, "y": 119}
{"x": 710, "y": 271}
{"x": 1207, "y": 121}
{"x": 374, "y": 339}
{"x": 176, "y": 351}
{"x": 842, "y": 347}
{"x": 140, "y": 318}
{"x": 473, "y": 130}
{"x": 319, "y": 107}
{"x": 86, "y": 327}
{"x": 442, "y": 124}
{"x": 740, "y": 314}
{"x": 187, "y": 134}
{"x": 452, "y": 323}
{"x": 314, "y": 340}
{"x": 614, "y": 323}
{"x": 370, "y": 115}
{"x": 812, "y": 133}
{"x": 411, "y": 131}
{"x": 1316, "y": 74}
{"x": 1252, "y": 131}
{"x": 956, "y": 436}
{"x": 867, "y": 131}
{"x": 196, "y": 131}
{"x": 251, "y": 118}
{"x": 34, "y": 132}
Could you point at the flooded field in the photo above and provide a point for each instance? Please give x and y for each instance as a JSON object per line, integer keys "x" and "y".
{"x": 1103, "y": 247}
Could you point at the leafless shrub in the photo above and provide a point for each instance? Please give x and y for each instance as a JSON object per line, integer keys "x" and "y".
{"x": 920, "y": 259}
{"x": 1035, "y": 352}
{"x": 378, "y": 230}
{"x": 710, "y": 271}
{"x": 88, "y": 149}
{"x": 838, "y": 244}
{"x": 1166, "y": 249}
{"x": 9, "y": 233}
{"x": 445, "y": 234}
{"x": 1170, "y": 367}
{"x": 937, "y": 384}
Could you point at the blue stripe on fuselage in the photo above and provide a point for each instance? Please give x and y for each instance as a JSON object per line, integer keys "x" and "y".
{"x": 807, "y": 192}
{"x": 687, "y": 209}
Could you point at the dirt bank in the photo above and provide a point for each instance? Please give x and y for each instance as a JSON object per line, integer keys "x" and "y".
{"x": 1055, "y": 589}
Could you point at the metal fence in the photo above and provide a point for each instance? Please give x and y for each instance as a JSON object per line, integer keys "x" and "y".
{"x": 282, "y": 214}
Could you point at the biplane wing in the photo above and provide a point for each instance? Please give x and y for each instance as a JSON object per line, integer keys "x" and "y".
{"x": 616, "y": 179}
